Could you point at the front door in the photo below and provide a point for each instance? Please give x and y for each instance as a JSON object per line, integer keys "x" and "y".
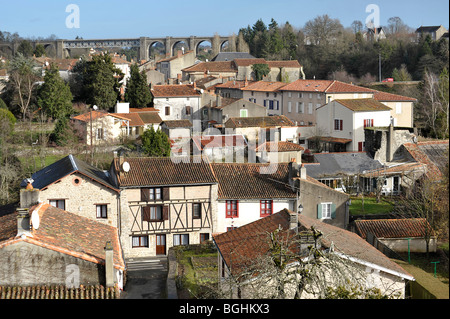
{"x": 160, "y": 244}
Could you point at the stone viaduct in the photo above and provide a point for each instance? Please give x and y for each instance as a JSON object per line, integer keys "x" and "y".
{"x": 66, "y": 48}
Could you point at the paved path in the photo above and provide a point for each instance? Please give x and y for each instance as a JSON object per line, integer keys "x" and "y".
{"x": 146, "y": 278}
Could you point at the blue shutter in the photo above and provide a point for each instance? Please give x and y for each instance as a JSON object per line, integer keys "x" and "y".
{"x": 319, "y": 211}
{"x": 333, "y": 210}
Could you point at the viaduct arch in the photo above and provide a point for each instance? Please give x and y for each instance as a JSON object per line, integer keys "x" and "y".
{"x": 63, "y": 48}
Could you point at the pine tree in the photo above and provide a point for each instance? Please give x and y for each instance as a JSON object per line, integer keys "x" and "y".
{"x": 137, "y": 91}
{"x": 54, "y": 96}
{"x": 155, "y": 143}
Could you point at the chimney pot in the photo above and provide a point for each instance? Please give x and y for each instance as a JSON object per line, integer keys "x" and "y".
{"x": 23, "y": 222}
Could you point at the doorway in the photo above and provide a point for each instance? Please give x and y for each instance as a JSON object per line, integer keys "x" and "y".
{"x": 161, "y": 244}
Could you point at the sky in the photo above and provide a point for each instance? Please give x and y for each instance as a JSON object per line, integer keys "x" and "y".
{"x": 114, "y": 19}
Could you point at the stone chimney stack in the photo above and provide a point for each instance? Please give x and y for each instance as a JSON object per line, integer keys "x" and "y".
{"x": 293, "y": 221}
{"x": 23, "y": 222}
{"x": 29, "y": 196}
{"x": 294, "y": 172}
{"x": 302, "y": 171}
{"x": 109, "y": 264}
{"x": 218, "y": 101}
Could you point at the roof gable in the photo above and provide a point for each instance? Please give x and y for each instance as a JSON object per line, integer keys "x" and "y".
{"x": 362, "y": 105}
{"x": 67, "y": 166}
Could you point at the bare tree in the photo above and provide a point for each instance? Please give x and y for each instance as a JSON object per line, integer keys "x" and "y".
{"x": 323, "y": 29}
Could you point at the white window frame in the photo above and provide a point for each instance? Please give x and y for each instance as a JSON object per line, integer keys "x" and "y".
{"x": 326, "y": 210}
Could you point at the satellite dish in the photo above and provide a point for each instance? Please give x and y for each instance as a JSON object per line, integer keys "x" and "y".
{"x": 126, "y": 167}
{"x": 35, "y": 219}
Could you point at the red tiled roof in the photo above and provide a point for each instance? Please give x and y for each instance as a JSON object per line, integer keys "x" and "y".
{"x": 431, "y": 153}
{"x": 247, "y": 180}
{"x": 263, "y": 121}
{"x": 86, "y": 117}
{"x": 394, "y": 228}
{"x": 307, "y": 85}
{"x": 134, "y": 119}
{"x": 177, "y": 123}
{"x": 234, "y": 84}
{"x": 220, "y": 66}
{"x": 283, "y": 64}
{"x": 264, "y": 86}
{"x": 240, "y": 247}
{"x": 174, "y": 90}
{"x": 342, "y": 87}
{"x": 363, "y": 105}
{"x": 202, "y": 142}
{"x": 69, "y": 234}
{"x": 279, "y": 147}
{"x": 389, "y": 97}
{"x": 143, "y": 110}
{"x": 155, "y": 171}
{"x": 248, "y": 62}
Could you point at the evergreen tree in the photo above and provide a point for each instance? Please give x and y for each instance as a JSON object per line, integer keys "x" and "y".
{"x": 54, "y": 96}
{"x": 137, "y": 91}
{"x": 96, "y": 82}
{"x": 61, "y": 133}
{"x": 155, "y": 143}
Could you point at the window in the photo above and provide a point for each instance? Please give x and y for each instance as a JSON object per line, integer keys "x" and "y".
{"x": 167, "y": 110}
{"x": 243, "y": 113}
{"x": 289, "y": 94}
{"x": 368, "y": 123}
{"x": 148, "y": 194}
{"x": 181, "y": 239}
{"x": 139, "y": 241}
{"x": 188, "y": 110}
{"x": 326, "y": 210}
{"x": 58, "y": 203}
{"x": 232, "y": 208}
{"x": 152, "y": 213}
{"x": 204, "y": 237}
{"x": 301, "y": 108}
{"x": 266, "y": 208}
{"x": 196, "y": 210}
{"x": 310, "y": 95}
{"x": 270, "y": 104}
{"x": 231, "y": 228}
{"x": 102, "y": 211}
{"x": 278, "y": 105}
{"x": 300, "y": 95}
{"x": 338, "y": 125}
{"x": 289, "y": 106}
{"x": 310, "y": 108}
{"x": 99, "y": 134}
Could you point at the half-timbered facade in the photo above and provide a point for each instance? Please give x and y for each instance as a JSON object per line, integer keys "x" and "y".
{"x": 164, "y": 202}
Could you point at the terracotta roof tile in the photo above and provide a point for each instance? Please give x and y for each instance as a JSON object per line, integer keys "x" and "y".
{"x": 279, "y": 147}
{"x": 174, "y": 90}
{"x": 363, "y": 105}
{"x": 155, "y": 171}
{"x": 239, "y": 247}
{"x": 247, "y": 180}
{"x": 263, "y": 121}
{"x": 220, "y": 66}
{"x": 394, "y": 228}
{"x": 264, "y": 86}
{"x": 70, "y": 234}
{"x": 389, "y": 97}
{"x": 177, "y": 123}
{"x": 434, "y": 154}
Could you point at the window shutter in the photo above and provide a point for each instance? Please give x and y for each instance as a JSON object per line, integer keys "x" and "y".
{"x": 145, "y": 194}
{"x": 333, "y": 210}
{"x": 165, "y": 193}
{"x": 341, "y": 122}
{"x": 319, "y": 211}
{"x": 165, "y": 212}
{"x": 146, "y": 213}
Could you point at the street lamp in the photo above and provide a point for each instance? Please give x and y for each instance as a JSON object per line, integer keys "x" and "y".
{"x": 300, "y": 208}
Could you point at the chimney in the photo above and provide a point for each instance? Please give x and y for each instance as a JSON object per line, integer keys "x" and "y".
{"x": 23, "y": 222}
{"x": 293, "y": 221}
{"x": 293, "y": 172}
{"x": 29, "y": 196}
{"x": 219, "y": 101}
{"x": 302, "y": 171}
{"x": 109, "y": 264}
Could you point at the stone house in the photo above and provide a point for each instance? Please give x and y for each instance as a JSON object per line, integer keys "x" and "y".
{"x": 77, "y": 187}
{"x": 164, "y": 202}
{"x": 436, "y": 32}
{"x": 267, "y": 94}
{"x": 177, "y": 129}
{"x": 218, "y": 112}
{"x": 172, "y": 67}
{"x": 220, "y": 148}
{"x": 101, "y": 128}
{"x": 301, "y": 98}
{"x": 347, "y": 119}
{"x": 219, "y": 69}
{"x": 177, "y": 102}
{"x": 261, "y": 129}
{"x": 45, "y": 245}
{"x": 279, "y": 152}
{"x": 248, "y": 192}
{"x": 346, "y": 258}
